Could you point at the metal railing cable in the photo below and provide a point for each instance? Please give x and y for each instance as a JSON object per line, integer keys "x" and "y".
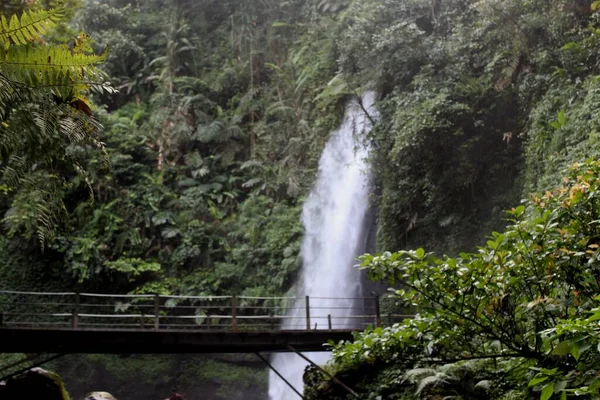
{"x": 72, "y": 310}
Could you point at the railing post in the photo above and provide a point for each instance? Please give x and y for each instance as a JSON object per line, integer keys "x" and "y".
{"x": 156, "y": 312}
{"x": 329, "y": 321}
{"x": 234, "y": 313}
{"x": 377, "y": 313}
{"x": 307, "y": 313}
{"x": 75, "y": 320}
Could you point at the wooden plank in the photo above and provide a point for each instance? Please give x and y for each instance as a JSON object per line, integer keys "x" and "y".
{"x": 307, "y": 313}
{"x": 156, "y": 312}
{"x": 75, "y": 320}
{"x": 233, "y": 313}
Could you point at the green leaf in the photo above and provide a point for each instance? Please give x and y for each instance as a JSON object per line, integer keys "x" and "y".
{"x": 563, "y": 348}
{"x": 547, "y": 391}
{"x": 560, "y": 386}
{"x": 555, "y": 125}
{"x": 537, "y": 381}
{"x": 562, "y": 119}
{"x": 420, "y": 253}
{"x": 578, "y": 350}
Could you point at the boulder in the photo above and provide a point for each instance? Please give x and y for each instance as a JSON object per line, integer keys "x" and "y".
{"x": 99, "y": 396}
{"x": 34, "y": 384}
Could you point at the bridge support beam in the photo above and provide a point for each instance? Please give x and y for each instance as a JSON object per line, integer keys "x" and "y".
{"x": 272, "y": 368}
{"x": 35, "y": 365}
{"x": 333, "y": 378}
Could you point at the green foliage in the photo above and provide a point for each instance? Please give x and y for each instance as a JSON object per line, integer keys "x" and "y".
{"x": 571, "y": 135}
{"x": 132, "y": 267}
{"x": 56, "y": 66}
{"x": 29, "y": 28}
{"x": 460, "y": 83}
{"x": 526, "y": 301}
{"x": 212, "y": 143}
{"x": 42, "y": 90}
{"x": 205, "y": 147}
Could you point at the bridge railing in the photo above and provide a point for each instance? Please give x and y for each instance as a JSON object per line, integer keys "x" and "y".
{"x": 70, "y": 310}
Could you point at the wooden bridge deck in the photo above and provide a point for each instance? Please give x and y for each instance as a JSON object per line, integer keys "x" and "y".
{"x": 93, "y": 341}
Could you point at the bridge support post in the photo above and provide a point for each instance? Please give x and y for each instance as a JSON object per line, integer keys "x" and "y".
{"x": 156, "y": 312}
{"x": 333, "y": 378}
{"x": 307, "y": 313}
{"x": 234, "y": 326}
{"x": 377, "y": 313}
{"x": 75, "y": 319}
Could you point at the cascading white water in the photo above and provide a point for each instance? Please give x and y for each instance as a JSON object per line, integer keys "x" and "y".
{"x": 333, "y": 217}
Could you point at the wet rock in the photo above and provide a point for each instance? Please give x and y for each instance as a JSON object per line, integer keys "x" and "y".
{"x": 99, "y": 396}
{"x": 35, "y": 384}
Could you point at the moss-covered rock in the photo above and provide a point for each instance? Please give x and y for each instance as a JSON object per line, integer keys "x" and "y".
{"x": 35, "y": 384}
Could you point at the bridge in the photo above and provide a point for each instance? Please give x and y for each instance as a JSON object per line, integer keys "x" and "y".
{"x": 69, "y": 322}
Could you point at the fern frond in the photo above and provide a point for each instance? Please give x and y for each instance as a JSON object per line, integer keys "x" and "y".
{"x": 37, "y": 206}
{"x": 29, "y": 27}
{"x": 252, "y": 164}
{"x": 416, "y": 374}
{"x": 483, "y": 385}
{"x": 50, "y": 66}
{"x": 436, "y": 380}
{"x": 219, "y": 131}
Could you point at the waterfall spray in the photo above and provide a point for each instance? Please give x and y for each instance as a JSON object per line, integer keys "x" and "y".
{"x": 333, "y": 218}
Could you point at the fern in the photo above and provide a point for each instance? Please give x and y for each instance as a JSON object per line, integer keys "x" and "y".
{"x": 25, "y": 62}
{"x": 30, "y": 27}
{"x": 50, "y": 66}
{"x": 37, "y": 207}
{"x": 219, "y": 131}
{"x": 42, "y": 89}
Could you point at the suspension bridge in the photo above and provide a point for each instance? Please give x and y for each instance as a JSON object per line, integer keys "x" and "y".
{"x": 69, "y": 322}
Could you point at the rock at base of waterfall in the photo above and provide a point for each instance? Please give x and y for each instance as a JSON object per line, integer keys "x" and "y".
{"x": 99, "y": 396}
{"x": 35, "y": 384}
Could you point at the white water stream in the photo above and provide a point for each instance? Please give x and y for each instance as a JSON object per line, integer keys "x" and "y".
{"x": 333, "y": 217}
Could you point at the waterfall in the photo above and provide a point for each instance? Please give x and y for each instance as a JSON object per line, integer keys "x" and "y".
{"x": 333, "y": 218}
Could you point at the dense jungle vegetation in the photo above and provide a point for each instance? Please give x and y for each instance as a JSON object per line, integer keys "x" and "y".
{"x": 175, "y": 158}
